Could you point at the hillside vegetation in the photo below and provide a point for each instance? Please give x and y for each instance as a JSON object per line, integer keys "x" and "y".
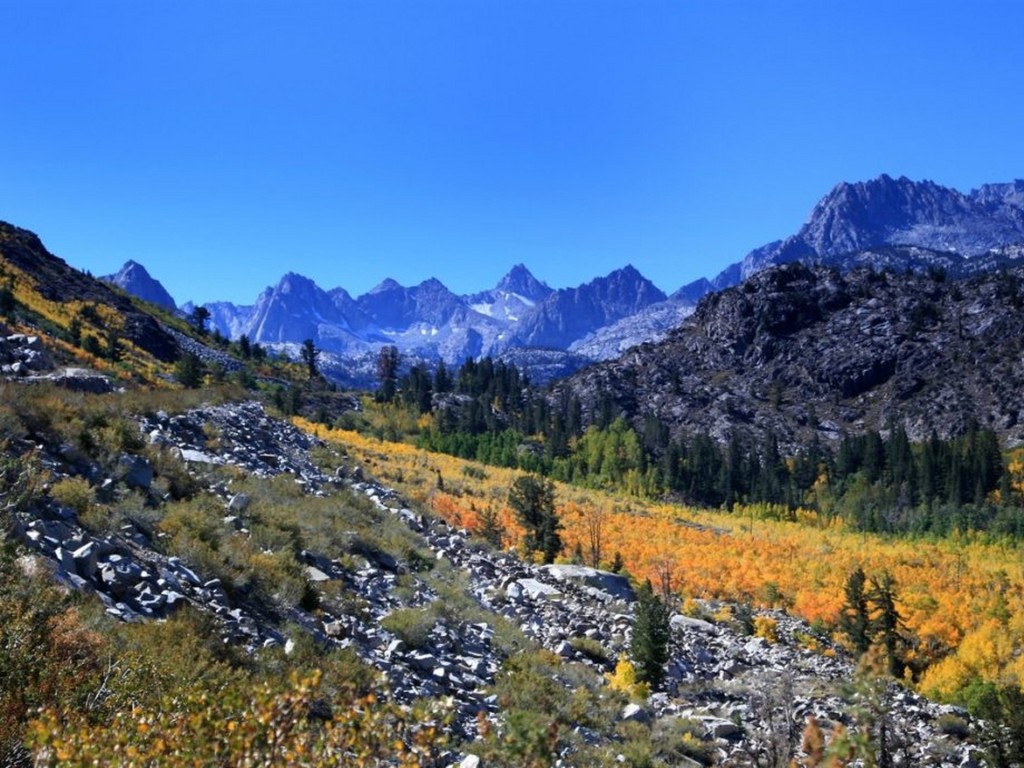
{"x": 961, "y": 597}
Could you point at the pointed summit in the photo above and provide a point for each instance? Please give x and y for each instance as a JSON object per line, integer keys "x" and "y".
{"x": 386, "y": 286}
{"x": 134, "y": 279}
{"x": 521, "y": 282}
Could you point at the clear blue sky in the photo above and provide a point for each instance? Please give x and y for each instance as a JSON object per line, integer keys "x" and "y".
{"x": 222, "y": 144}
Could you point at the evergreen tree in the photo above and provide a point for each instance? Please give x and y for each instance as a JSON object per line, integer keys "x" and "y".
{"x": 198, "y": 319}
{"x": 113, "y": 350}
{"x": 188, "y": 370}
{"x": 91, "y": 345}
{"x": 75, "y": 331}
{"x": 442, "y": 379}
{"x": 7, "y": 301}
{"x": 1002, "y": 707}
{"x": 416, "y": 389}
{"x": 387, "y": 373}
{"x": 886, "y": 623}
{"x": 855, "y": 620}
{"x": 533, "y": 500}
{"x": 489, "y": 527}
{"x": 651, "y": 633}
{"x": 244, "y": 349}
{"x": 309, "y": 354}
{"x": 617, "y": 563}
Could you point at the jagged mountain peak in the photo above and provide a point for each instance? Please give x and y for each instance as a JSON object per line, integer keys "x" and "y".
{"x": 135, "y": 279}
{"x": 569, "y": 314}
{"x": 626, "y": 284}
{"x": 1000, "y": 194}
{"x": 386, "y": 285}
{"x": 521, "y": 282}
{"x": 432, "y": 284}
{"x": 292, "y": 281}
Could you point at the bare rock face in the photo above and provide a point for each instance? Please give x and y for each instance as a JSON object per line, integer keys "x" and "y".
{"x": 22, "y": 355}
{"x": 615, "y": 586}
{"x": 810, "y": 353}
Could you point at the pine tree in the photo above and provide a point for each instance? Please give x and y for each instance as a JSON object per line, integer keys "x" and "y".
{"x": 533, "y": 500}
{"x": 651, "y": 634}
{"x": 309, "y": 354}
{"x": 113, "y": 351}
{"x": 198, "y": 319}
{"x": 7, "y": 301}
{"x": 886, "y": 624}
{"x": 617, "y": 562}
{"x": 855, "y": 619}
{"x": 387, "y": 373}
{"x": 189, "y": 370}
{"x": 489, "y": 527}
{"x": 75, "y": 331}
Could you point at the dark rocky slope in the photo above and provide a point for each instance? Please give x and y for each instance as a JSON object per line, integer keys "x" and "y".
{"x": 809, "y": 353}
{"x": 56, "y": 281}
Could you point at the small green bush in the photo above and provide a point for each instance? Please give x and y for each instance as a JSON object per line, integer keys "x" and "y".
{"x": 953, "y": 725}
{"x": 410, "y": 625}
{"x": 590, "y": 648}
{"x": 74, "y": 493}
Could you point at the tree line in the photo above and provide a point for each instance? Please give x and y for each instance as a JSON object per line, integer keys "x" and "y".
{"x": 486, "y": 411}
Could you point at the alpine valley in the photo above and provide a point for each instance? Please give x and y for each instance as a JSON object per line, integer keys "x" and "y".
{"x": 775, "y": 518}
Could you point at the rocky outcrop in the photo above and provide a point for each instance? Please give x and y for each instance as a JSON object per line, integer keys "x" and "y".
{"x": 21, "y": 355}
{"x": 204, "y": 352}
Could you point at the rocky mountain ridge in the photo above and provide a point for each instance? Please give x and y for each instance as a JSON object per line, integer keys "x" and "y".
{"x": 810, "y": 353}
{"x": 873, "y": 215}
{"x": 58, "y": 282}
{"x": 429, "y": 322}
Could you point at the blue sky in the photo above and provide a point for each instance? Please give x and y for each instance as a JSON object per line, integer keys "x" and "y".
{"x": 222, "y": 144}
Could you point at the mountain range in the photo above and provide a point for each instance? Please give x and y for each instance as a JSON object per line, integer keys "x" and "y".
{"x": 882, "y": 223}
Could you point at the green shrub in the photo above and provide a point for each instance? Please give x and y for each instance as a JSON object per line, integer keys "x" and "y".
{"x": 410, "y": 625}
{"x": 953, "y": 725}
{"x": 680, "y": 737}
{"x": 74, "y": 493}
{"x": 590, "y": 648}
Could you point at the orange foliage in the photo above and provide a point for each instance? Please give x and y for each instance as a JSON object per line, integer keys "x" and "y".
{"x": 949, "y": 591}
